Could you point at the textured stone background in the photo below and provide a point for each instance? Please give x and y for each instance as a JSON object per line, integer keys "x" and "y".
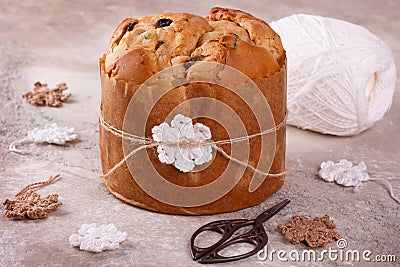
{"x": 54, "y": 41}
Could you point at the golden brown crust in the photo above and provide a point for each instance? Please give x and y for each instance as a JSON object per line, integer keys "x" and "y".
{"x": 226, "y": 36}
{"x": 260, "y": 33}
{"x": 163, "y": 43}
{"x": 193, "y": 37}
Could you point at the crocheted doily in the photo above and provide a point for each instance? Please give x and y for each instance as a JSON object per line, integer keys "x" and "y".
{"x": 316, "y": 232}
{"x": 95, "y": 238}
{"x": 42, "y": 96}
{"x": 347, "y": 174}
{"x": 51, "y": 133}
{"x": 29, "y": 205}
{"x": 344, "y": 172}
{"x": 181, "y": 130}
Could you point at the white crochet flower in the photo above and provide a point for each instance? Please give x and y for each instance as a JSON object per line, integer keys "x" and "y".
{"x": 344, "y": 172}
{"x": 51, "y": 133}
{"x": 95, "y": 238}
{"x": 182, "y": 130}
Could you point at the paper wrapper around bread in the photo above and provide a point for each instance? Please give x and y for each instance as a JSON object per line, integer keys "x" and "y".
{"x": 117, "y": 92}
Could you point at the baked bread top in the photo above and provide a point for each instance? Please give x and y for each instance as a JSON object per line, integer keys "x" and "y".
{"x": 148, "y": 45}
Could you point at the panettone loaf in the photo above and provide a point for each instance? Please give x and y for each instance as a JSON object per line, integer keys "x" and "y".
{"x": 140, "y": 48}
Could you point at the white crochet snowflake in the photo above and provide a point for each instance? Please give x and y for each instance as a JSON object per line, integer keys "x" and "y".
{"x": 51, "y": 133}
{"x": 182, "y": 130}
{"x": 344, "y": 172}
{"x": 95, "y": 238}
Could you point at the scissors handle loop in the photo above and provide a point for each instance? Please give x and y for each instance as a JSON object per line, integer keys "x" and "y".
{"x": 256, "y": 237}
{"x": 224, "y": 227}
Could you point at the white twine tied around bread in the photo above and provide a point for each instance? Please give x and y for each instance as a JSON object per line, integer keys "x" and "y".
{"x": 193, "y": 140}
{"x": 347, "y": 174}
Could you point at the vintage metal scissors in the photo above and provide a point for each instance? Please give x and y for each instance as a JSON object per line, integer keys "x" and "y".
{"x": 256, "y": 236}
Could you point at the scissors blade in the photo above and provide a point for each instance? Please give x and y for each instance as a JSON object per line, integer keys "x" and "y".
{"x": 271, "y": 212}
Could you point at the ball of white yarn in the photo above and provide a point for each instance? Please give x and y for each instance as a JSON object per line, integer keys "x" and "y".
{"x": 341, "y": 77}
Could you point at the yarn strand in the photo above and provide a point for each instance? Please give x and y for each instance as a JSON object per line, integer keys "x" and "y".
{"x": 226, "y": 155}
{"x": 13, "y": 145}
{"x": 149, "y": 143}
{"x": 39, "y": 184}
{"x": 138, "y": 139}
{"x": 389, "y": 187}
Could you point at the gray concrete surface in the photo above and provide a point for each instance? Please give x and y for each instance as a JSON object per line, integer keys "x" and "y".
{"x": 54, "y": 41}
